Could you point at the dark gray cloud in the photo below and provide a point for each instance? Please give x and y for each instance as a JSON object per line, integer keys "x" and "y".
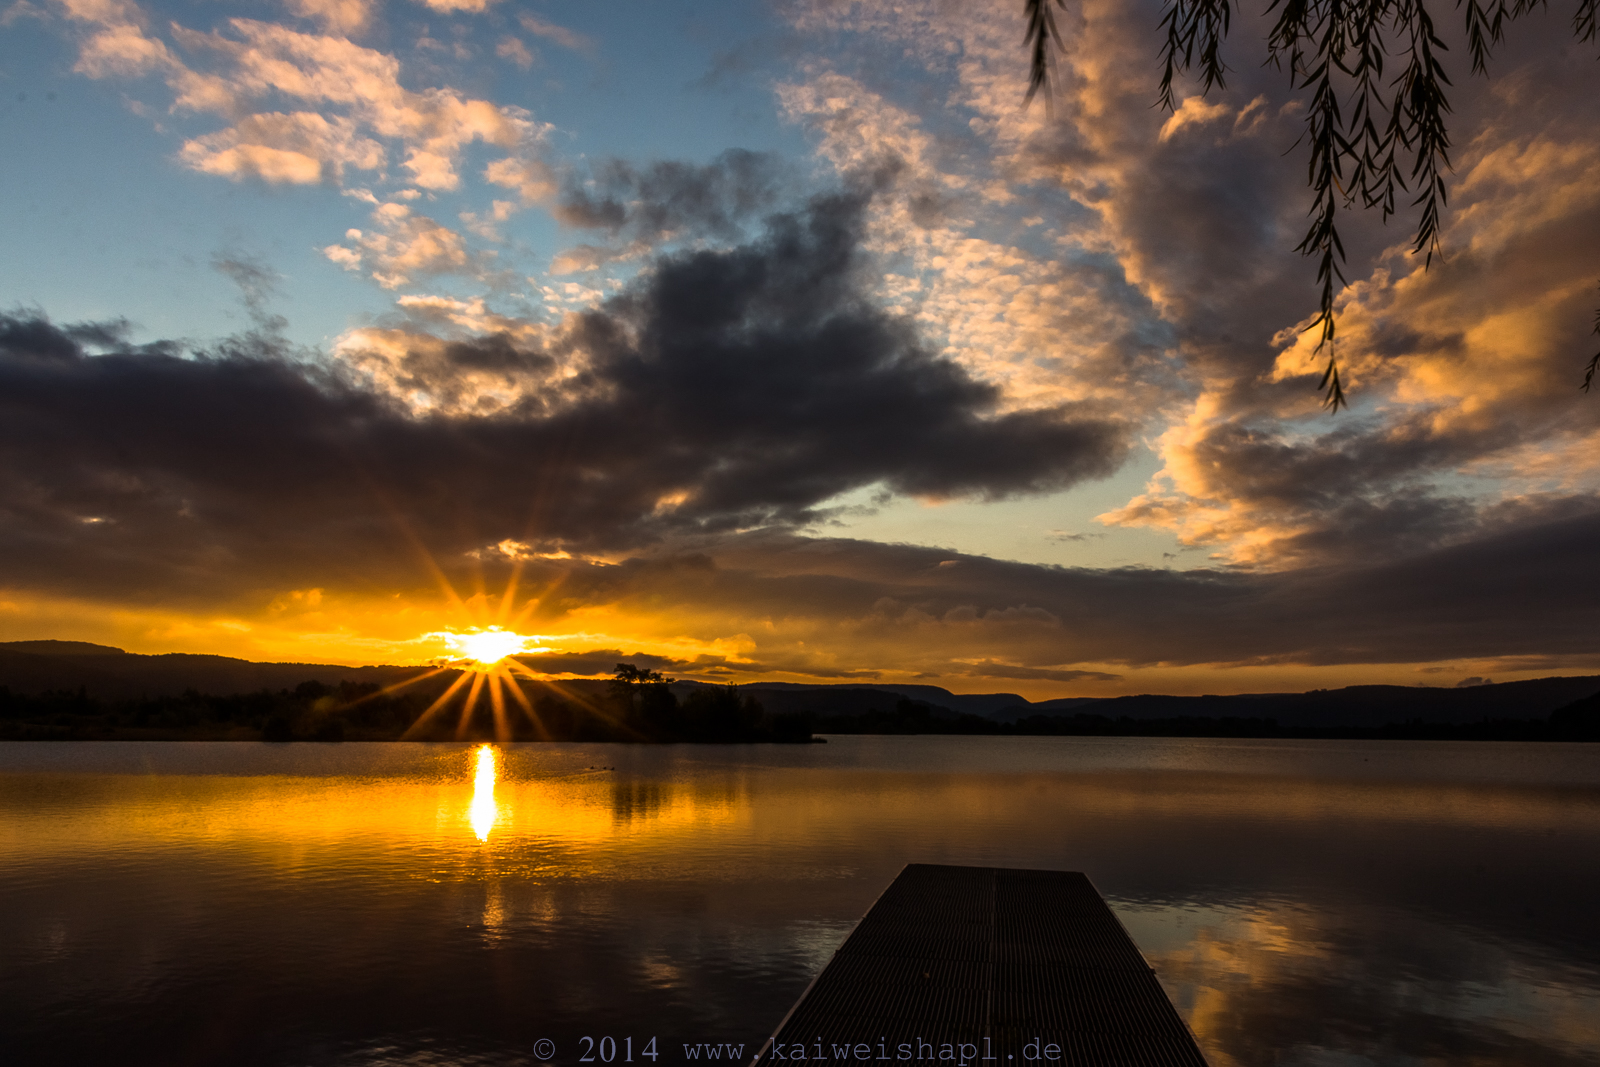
{"x": 1527, "y": 593}
{"x": 204, "y": 480}
{"x": 1449, "y": 367}
{"x": 257, "y": 282}
{"x": 670, "y": 198}
{"x": 724, "y": 390}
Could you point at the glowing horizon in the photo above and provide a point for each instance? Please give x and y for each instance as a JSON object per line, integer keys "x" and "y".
{"x": 552, "y": 349}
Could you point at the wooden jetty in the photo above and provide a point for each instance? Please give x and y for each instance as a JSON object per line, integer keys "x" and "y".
{"x": 985, "y": 967}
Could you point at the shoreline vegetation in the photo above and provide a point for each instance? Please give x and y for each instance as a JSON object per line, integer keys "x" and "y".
{"x": 120, "y": 696}
{"x": 649, "y": 711}
{"x": 642, "y": 709}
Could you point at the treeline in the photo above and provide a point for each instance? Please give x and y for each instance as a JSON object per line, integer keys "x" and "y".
{"x": 636, "y": 706}
{"x": 644, "y": 708}
{"x": 641, "y": 706}
{"x": 310, "y": 711}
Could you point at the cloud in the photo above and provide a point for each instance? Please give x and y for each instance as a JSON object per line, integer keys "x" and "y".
{"x": 559, "y": 34}
{"x": 722, "y": 390}
{"x": 115, "y": 42}
{"x": 1195, "y": 111}
{"x": 991, "y": 669}
{"x": 258, "y": 286}
{"x": 830, "y": 607}
{"x": 302, "y": 148}
{"x": 640, "y": 207}
{"x": 894, "y": 604}
{"x": 353, "y": 98}
{"x": 487, "y": 373}
{"x": 487, "y": 224}
{"x": 19, "y": 10}
{"x": 1465, "y": 373}
{"x": 228, "y": 478}
{"x": 532, "y": 178}
{"x": 336, "y": 16}
{"x": 1457, "y": 367}
{"x": 406, "y": 246}
{"x": 434, "y": 124}
{"x": 513, "y": 49}
{"x": 599, "y": 662}
{"x": 447, "y": 7}
{"x": 1015, "y": 302}
{"x": 962, "y": 241}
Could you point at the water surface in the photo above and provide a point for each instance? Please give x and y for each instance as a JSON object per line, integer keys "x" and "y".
{"x": 1304, "y": 903}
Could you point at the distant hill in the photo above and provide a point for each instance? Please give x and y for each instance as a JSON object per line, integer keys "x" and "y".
{"x": 61, "y": 648}
{"x": 804, "y": 696}
{"x": 1578, "y": 721}
{"x": 107, "y": 673}
{"x": 1356, "y": 705}
{"x": 1351, "y": 706}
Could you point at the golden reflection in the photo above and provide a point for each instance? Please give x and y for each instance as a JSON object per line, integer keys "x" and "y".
{"x": 484, "y": 811}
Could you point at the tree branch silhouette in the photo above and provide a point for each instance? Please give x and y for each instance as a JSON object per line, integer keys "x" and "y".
{"x": 1386, "y": 139}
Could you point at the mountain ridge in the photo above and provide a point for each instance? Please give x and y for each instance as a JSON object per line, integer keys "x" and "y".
{"x": 106, "y": 672}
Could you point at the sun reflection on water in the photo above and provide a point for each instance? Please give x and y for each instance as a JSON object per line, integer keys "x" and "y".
{"x": 483, "y": 812}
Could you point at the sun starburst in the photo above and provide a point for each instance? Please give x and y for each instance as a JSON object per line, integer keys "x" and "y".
{"x": 487, "y": 670}
{"x": 490, "y": 645}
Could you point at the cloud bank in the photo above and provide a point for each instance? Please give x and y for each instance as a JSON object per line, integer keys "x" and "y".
{"x": 984, "y": 302}
{"x": 724, "y": 390}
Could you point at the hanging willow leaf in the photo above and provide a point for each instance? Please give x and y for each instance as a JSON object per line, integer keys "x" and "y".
{"x": 1335, "y": 51}
{"x": 1041, "y": 31}
{"x": 1594, "y": 361}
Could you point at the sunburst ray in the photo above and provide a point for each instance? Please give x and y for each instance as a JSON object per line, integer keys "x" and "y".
{"x": 437, "y": 706}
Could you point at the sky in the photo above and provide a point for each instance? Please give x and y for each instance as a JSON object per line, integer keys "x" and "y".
{"x": 758, "y": 341}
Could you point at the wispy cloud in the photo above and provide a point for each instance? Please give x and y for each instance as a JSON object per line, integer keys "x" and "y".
{"x": 406, "y": 246}
{"x": 559, "y": 34}
{"x": 357, "y": 104}
{"x": 347, "y": 17}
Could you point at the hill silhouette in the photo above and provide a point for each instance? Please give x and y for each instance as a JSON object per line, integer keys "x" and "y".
{"x": 73, "y": 689}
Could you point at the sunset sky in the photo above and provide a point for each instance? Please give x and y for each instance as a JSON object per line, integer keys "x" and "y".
{"x": 778, "y": 341}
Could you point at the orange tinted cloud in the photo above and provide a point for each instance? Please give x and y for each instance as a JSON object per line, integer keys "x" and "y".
{"x": 1466, "y": 372}
{"x": 406, "y": 246}
{"x": 356, "y": 94}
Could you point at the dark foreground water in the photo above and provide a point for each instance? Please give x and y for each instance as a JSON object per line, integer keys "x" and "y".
{"x": 1311, "y": 903}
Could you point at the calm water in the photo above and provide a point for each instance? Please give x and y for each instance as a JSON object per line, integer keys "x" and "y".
{"x": 1310, "y": 903}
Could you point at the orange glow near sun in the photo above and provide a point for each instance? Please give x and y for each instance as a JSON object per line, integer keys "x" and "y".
{"x": 489, "y": 646}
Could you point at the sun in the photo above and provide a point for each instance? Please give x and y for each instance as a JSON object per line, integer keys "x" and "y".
{"x": 486, "y": 671}
{"x": 489, "y": 646}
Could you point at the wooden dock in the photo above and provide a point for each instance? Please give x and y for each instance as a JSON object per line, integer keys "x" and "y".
{"x": 986, "y": 967}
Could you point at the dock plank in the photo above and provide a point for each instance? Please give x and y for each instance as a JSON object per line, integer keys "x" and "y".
{"x": 986, "y": 967}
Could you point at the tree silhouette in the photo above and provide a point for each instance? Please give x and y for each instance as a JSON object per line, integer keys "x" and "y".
{"x": 627, "y": 680}
{"x": 647, "y": 701}
{"x": 1389, "y": 138}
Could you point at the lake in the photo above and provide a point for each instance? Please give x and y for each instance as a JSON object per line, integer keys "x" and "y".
{"x": 1304, "y": 903}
